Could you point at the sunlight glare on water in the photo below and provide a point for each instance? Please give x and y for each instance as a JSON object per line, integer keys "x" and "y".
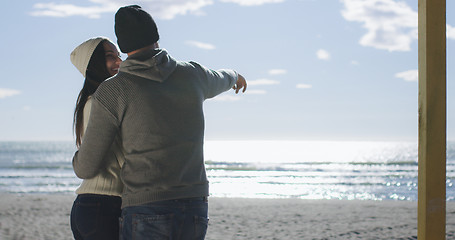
{"x": 313, "y": 169}
{"x": 305, "y": 151}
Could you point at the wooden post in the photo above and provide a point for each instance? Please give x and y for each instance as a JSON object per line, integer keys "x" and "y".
{"x": 432, "y": 120}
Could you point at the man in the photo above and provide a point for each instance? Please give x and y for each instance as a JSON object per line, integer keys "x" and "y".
{"x": 155, "y": 104}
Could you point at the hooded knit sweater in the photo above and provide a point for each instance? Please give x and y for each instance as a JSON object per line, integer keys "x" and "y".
{"x": 155, "y": 104}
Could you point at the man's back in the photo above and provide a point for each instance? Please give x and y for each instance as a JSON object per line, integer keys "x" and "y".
{"x": 156, "y": 104}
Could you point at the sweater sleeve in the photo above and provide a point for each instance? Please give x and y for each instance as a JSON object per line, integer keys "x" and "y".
{"x": 100, "y": 134}
{"x": 217, "y": 81}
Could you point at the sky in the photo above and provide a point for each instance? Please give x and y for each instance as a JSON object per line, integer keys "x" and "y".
{"x": 316, "y": 69}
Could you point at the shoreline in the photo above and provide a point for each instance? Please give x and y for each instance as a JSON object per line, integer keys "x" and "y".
{"x": 46, "y": 216}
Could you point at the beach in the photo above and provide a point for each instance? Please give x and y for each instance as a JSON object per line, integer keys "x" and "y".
{"x": 46, "y": 216}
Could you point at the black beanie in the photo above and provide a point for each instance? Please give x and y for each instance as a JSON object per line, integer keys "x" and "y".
{"x": 134, "y": 28}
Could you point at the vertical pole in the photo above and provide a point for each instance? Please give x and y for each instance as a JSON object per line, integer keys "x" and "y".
{"x": 432, "y": 120}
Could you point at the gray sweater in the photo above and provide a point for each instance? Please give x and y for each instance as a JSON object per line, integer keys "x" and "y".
{"x": 155, "y": 104}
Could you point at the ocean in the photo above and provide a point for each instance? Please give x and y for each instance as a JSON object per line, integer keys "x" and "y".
{"x": 252, "y": 169}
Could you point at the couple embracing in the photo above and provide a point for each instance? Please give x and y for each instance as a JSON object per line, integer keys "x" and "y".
{"x": 139, "y": 130}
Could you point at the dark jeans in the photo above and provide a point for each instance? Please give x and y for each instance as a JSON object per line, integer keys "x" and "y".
{"x": 96, "y": 216}
{"x": 178, "y": 219}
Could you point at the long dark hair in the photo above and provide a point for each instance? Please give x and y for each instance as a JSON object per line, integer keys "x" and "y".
{"x": 96, "y": 73}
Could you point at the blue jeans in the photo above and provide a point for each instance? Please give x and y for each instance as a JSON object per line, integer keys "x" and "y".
{"x": 178, "y": 219}
{"x": 95, "y": 216}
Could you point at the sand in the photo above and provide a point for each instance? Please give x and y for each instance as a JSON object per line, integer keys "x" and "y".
{"x": 40, "y": 216}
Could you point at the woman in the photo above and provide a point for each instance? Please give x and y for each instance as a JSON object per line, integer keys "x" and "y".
{"x": 96, "y": 209}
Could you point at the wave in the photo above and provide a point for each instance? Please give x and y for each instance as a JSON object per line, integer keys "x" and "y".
{"x": 33, "y": 167}
{"x": 305, "y": 166}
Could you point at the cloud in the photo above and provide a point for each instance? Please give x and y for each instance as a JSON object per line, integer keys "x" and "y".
{"x": 5, "y": 92}
{"x": 68, "y": 10}
{"x": 450, "y": 32}
{"x": 323, "y": 54}
{"x": 354, "y": 62}
{"x": 258, "y": 91}
{"x": 201, "y": 45}
{"x": 303, "y": 86}
{"x": 277, "y": 71}
{"x": 168, "y": 9}
{"x": 390, "y": 25}
{"x": 263, "y": 82}
{"x": 409, "y": 76}
{"x": 252, "y": 2}
{"x": 227, "y": 98}
{"x": 158, "y": 9}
